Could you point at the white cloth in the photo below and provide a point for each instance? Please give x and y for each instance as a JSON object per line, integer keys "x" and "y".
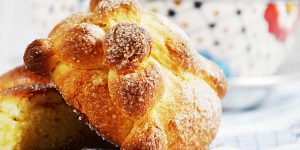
{"x": 274, "y": 124}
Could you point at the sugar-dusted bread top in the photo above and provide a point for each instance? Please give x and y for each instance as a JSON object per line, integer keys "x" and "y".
{"x": 133, "y": 76}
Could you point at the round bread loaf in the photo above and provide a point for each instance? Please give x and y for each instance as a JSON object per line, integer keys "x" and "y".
{"x": 134, "y": 77}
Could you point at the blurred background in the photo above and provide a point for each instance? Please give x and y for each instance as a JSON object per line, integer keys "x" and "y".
{"x": 255, "y": 42}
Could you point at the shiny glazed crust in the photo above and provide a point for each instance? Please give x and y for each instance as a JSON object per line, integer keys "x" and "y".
{"x": 23, "y": 83}
{"x": 135, "y": 78}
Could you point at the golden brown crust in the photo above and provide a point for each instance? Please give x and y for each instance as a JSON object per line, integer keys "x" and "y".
{"x": 93, "y": 4}
{"x": 24, "y": 83}
{"x": 148, "y": 135}
{"x": 38, "y": 55}
{"x": 136, "y": 93}
{"x": 87, "y": 91}
{"x": 192, "y": 124}
{"x": 187, "y": 59}
{"x": 103, "y": 14}
{"x": 20, "y": 77}
{"x": 151, "y": 92}
{"x": 105, "y": 7}
{"x": 59, "y": 29}
{"x": 41, "y": 110}
{"x": 82, "y": 46}
{"x": 28, "y": 90}
{"x": 126, "y": 46}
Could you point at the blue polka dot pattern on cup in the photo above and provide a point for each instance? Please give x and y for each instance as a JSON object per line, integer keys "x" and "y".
{"x": 235, "y": 32}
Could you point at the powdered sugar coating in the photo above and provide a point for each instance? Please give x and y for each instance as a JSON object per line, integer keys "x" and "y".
{"x": 126, "y": 46}
{"x": 150, "y": 135}
{"x": 82, "y": 46}
{"x": 106, "y": 6}
{"x": 145, "y": 95}
{"x": 135, "y": 93}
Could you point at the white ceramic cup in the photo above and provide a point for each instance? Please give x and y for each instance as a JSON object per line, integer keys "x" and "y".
{"x": 246, "y": 38}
